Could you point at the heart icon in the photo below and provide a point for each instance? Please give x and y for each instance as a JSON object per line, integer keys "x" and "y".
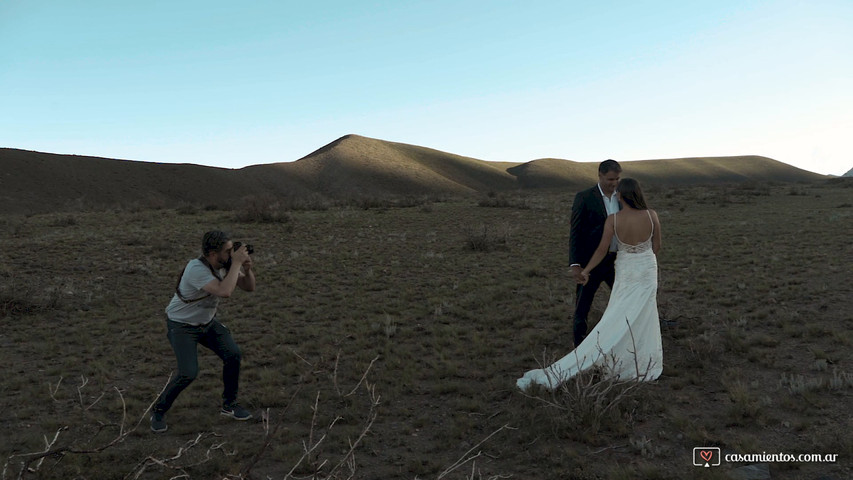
{"x": 706, "y": 455}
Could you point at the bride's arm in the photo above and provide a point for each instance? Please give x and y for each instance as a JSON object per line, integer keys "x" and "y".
{"x": 656, "y": 238}
{"x": 603, "y": 247}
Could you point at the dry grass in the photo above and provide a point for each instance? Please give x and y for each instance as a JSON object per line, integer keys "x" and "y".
{"x": 754, "y": 301}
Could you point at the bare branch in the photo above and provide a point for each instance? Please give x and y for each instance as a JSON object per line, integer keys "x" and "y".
{"x": 269, "y": 435}
{"x": 51, "y": 450}
{"x": 465, "y": 458}
{"x": 363, "y": 376}
{"x": 53, "y": 390}
{"x": 335, "y": 374}
{"x": 349, "y": 457}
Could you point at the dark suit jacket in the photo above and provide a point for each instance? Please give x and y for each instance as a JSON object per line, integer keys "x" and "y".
{"x": 588, "y": 217}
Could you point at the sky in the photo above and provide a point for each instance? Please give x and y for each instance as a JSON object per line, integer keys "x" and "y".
{"x": 232, "y": 84}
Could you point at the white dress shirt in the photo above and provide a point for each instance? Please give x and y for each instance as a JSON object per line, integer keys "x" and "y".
{"x": 611, "y": 204}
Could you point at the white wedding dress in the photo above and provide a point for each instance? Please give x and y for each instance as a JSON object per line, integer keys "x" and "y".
{"x": 626, "y": 342}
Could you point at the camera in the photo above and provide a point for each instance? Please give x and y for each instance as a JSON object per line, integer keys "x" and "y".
{"x": 249, "y": 248}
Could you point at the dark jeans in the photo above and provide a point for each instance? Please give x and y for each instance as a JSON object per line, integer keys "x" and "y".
{"x": 585, "y": 294}
{"x": 185, "y": 340}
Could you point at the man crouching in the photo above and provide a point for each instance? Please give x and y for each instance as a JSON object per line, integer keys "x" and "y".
{"x": 191, "y": 320}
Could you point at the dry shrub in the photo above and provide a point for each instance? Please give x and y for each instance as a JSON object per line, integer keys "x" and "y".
{"x": 261, "y": 209}
{"x": 307, "y": 202}
{"x": 19, "y": 298}
{"x": 495, "y": 200}
{"x": 594, "y": 400}
{"x": 485, "y": 238}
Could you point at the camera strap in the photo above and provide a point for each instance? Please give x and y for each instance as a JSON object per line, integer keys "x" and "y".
{"x": 181, "y": 276}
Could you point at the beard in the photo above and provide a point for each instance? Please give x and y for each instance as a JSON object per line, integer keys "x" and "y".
{"x": 227, "y": 264}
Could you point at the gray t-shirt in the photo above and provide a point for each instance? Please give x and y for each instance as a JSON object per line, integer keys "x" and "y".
{"x": 196, "y": 275}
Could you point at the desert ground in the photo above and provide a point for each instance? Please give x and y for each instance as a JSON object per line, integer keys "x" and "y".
{"x": 385, "y": 338}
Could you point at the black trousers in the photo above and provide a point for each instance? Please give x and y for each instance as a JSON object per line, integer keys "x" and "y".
{"x": 185, "y": 340}
{"x": 584, "y": 295}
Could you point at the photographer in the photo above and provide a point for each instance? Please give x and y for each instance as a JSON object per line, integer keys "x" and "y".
{"x": 191, "y": 320}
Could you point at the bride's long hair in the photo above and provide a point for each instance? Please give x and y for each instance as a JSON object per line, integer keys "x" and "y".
{"x": 631, "y": 193}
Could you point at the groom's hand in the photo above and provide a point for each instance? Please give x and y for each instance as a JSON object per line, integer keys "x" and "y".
{"x": 576, "y": 273}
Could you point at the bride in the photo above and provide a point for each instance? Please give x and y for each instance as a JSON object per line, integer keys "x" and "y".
{"x": 626, "y": 342}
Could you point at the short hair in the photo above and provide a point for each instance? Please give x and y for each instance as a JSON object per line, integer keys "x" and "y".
{"x": 213, "y": 241}
{"x": 608, "y": 166}
{"x": 631, "y": 193}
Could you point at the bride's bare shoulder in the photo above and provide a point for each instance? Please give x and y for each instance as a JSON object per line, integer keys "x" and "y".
{"x": 654, "y": 214}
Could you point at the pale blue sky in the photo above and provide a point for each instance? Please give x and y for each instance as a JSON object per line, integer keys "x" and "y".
{"x": 232, "y": 84}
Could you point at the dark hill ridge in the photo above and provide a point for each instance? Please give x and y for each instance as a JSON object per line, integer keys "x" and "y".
{"x": 351, "y": 166}
{"x": 34, "y": 181}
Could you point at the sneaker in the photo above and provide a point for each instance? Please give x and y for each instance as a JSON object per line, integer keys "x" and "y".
{"x": 236, "y": 412}
{"x": 158, "y": 422}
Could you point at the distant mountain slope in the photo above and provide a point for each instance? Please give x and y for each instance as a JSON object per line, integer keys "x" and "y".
{"x": 359, "y": 166}
{"x": 700, "y": 170}
{"x": 351, "y": 166}
{"x": 36, "y": 181}
{"x": 849, "y": 173}
{"x": 554, "y": 173}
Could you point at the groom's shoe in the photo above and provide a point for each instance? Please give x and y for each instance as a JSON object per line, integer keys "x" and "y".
{"x": 236, "y": 412}
{"x": 158, "y": 422}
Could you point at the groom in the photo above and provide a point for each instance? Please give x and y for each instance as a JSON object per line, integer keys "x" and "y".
{"x": 589, "y": 212}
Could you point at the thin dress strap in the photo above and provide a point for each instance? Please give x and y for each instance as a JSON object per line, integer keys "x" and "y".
{"x": 619, "y": 240}
{"x": 614, "y": 229}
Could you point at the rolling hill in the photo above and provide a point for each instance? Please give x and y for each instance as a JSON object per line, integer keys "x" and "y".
{"x": 555, "y": 173}
{"x": 351, "y": 166}
{"x": 354, "y": 166}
